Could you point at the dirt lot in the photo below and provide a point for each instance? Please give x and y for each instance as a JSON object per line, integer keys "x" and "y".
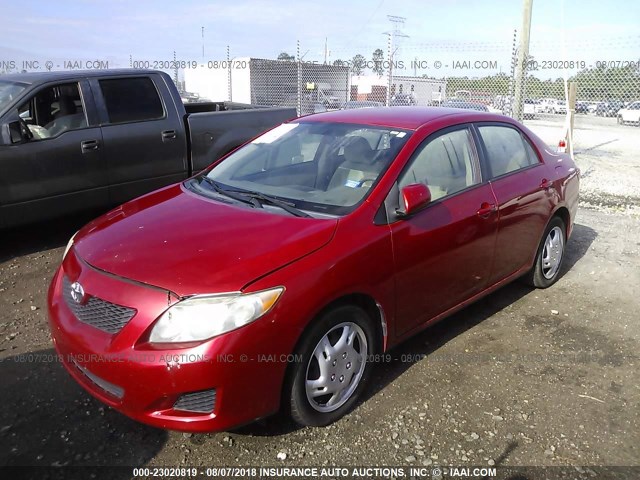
{"x": 525, "y": 377}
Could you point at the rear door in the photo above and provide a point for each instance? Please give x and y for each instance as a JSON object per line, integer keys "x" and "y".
{"x": 61, "y": 169}
{"x": 144, "y": 138}
{"x": 443, "y": 254}
{"x": 523, "y": 191}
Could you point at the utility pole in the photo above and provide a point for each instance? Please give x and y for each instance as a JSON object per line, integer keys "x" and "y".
{"x": 571, "y": 110}
{"x": 389, "y": 71}
{"x": 175, "y": 71}
{"x": 326, "y": 50}
{"x": 299, "y": 102}
{"x": 523, "y": 56}
{"x": 202, "y": 42}
{"x": 392, "y": 49}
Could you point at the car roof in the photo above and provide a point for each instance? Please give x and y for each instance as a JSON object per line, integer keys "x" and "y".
{"x": 42, "y": 77}
{"x": 406, "y": 118}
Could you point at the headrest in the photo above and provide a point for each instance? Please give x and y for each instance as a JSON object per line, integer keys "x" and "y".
{"x": 66, "y": 106}
{"x": 358, "y": 151}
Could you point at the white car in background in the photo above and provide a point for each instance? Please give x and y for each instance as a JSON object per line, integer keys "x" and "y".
{"x": 547, "y": 105}
{"x": 530, "y": 108}
{"x": 629, "y": 114}
{"x": 560, "y": 107}
{"x": 592, "y": 107}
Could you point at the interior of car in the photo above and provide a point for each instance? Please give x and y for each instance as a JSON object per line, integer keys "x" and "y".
{"x": 53, "y": 111}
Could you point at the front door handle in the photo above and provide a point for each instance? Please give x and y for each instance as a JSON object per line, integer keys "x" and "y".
{"x": 168, "y": 135}
{"x": 486, "y": 209}
{"x": 89, "y": 145}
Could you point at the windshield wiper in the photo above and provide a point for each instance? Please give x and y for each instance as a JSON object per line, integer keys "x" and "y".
{"x": 276, "y": 202}
{"x": 231, "y": 194}
{"x": 255, "y": 198}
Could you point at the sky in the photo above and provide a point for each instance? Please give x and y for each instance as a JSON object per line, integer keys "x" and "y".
{"x": 114, "y": 30}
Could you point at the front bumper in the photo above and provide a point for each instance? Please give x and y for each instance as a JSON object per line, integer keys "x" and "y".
{"x": 241, "y": 370}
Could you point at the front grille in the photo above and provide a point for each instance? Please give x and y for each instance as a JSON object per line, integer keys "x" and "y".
{"x": 98, "y": 313}
{"x": 201, "y": 402}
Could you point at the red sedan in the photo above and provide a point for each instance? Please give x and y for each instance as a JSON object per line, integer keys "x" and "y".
{"x": 278, "y": 276}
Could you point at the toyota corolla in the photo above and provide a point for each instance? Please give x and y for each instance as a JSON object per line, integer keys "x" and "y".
{"x": 275, "y": 278}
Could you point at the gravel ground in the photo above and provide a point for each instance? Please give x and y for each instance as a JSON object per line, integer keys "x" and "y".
{"x": 608, "y": 156}
{"x": 524, "y": 377}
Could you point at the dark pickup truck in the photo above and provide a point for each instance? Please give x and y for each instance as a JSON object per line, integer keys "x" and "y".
{"x": 72, "y": 141}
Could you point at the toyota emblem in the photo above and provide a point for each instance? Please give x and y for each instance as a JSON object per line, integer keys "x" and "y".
{"x": 77, "y": 292}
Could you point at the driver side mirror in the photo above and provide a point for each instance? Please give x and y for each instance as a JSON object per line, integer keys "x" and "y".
{"x": 413, "y": 198}
{"x": 14, "y": 132}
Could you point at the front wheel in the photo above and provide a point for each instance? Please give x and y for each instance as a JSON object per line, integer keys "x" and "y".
{"x": 333, "y": 370}
{"x": 549, "y": 257}
{"x": 620, "y": 120}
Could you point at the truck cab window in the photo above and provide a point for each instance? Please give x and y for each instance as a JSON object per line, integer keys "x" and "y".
{"x": 131, "y": 100}
{"x": 53, "y": 111}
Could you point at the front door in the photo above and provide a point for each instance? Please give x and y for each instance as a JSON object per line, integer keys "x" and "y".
{"x": 443, "y": 254}
{"x": 60, "y": 169}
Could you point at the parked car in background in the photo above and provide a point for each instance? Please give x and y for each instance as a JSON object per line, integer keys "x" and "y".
{"x": 560, "y": 107}
{"x": 593, "y": 106}
{"x": 352, "y": 104}
{"x": 629, "y": 114}
{"x": 332, "y": 102}
{"x": 530, "y": 108}
{"x": 464, "y": 104}
{"x": 280, "y": 274}
{"x": 582, "y": 107}
{"x": 547, "y": 105}
{"x": 72, "y": 141}
{"x": 402, "y": 100}
{"x": 609, "y": 109}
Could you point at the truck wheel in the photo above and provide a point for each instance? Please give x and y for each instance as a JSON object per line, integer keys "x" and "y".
{"x": 549, "y": 257}
{"x": 333, "y": 370}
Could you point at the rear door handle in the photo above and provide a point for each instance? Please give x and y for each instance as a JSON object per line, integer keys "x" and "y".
{"x": 168, "y": 135}
{"x": 546, "y": 184}
{"x": 486, "y": 209}
{"x": 89, "y": 145}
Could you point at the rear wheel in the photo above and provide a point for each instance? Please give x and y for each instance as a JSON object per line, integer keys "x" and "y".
{"x": 333, "y": 370}
{"x": 546, "y": 269}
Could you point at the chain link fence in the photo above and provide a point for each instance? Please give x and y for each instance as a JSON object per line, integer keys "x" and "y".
{"x": 479, "y": 75}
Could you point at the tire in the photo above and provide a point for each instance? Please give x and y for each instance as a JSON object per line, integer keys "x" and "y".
{"x": 550, "y": 255}
{"x": 347, "y": 371}
{"x": 620, "y": 121}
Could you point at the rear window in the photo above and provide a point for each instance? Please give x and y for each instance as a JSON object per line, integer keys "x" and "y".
{"x": 131, "y": 100}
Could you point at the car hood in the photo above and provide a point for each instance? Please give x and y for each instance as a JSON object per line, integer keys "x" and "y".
{"x": 188, "y": 244}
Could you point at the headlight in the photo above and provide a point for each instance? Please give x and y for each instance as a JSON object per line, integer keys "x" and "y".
{"x": 69, "y": 245}
{"x": 205, "y": 316}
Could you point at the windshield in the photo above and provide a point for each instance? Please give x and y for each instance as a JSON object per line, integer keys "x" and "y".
{"x": 314, "y": 166}
{"x": 9, "y": 91}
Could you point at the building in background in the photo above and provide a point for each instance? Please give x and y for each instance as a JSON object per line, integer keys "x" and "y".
{"x": 271, "y": 83}
{"x": 405, "y": 90}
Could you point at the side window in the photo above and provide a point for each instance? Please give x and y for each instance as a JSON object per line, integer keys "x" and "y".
{"x": 131, "y": 100}
{"x": 53, "y": 111}
{"x": 506, "y": 149}
{"x": 446, "y": 164}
